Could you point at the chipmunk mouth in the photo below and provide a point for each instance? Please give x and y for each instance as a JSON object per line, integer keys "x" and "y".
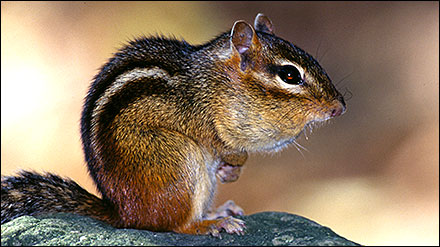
{"x": 306, "y": 131}
{"x": 328, "y": 111}
{"x": 311, "y": 126}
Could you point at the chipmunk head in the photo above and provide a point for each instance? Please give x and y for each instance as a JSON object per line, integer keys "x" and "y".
{"x": 274, "y": 89}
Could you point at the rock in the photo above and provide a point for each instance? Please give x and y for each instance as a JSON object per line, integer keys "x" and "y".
{"x": 267, "y": 228}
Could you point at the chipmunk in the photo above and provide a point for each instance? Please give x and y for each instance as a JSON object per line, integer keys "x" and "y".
{"x": 164, "y": 118}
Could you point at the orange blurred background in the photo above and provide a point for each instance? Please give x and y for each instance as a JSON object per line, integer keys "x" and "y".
{"x": 371, "y": 175}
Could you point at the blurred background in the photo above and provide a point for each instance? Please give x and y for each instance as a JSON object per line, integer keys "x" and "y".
{"x": 371, "y": 175}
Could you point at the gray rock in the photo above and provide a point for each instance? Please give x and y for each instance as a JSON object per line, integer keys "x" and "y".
{"x": 267, "y": 228}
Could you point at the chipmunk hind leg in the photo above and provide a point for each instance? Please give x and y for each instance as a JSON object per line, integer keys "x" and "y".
{"x": 181, "y": 203}
{"x": 174, "y": 184}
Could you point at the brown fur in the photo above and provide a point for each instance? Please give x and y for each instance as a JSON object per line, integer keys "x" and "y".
{"x": 163, "y": 118}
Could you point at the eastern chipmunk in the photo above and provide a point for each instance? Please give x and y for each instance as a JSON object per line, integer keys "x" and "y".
{"x": 163, "y": 118}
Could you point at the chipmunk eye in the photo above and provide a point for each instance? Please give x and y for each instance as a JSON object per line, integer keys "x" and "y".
{"x": 290, "y": 75}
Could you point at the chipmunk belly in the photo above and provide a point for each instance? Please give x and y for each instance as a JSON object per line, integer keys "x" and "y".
{"x": 173, "y": 183}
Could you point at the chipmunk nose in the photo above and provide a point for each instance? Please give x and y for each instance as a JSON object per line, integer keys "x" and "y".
{"x": 339, "y": 108}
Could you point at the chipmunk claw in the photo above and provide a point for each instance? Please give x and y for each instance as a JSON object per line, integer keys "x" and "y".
{"x": 230, "y": 225}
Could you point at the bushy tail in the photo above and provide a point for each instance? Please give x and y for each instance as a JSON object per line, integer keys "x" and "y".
{"x": 31, "y": 193}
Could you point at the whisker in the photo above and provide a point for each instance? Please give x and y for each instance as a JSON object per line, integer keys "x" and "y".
{"x": 305, "y": 133}
{"x": 300, "y": 148}
{"x": 281, "y": 119}
{"x": 317, "y": 50}
{"x": 350, "y": 94}
{"x": 309, "y": 129}
{"x": 323, "y": 55}
{"x": 343, "y": 78}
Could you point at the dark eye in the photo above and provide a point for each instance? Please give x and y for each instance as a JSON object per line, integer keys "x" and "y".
{"x": 290, "y": 75}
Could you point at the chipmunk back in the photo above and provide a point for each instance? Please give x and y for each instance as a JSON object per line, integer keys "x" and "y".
{"x": 163, "y": 119}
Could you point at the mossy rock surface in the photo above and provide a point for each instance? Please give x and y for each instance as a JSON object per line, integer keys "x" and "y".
{"x": 267, "y": 228}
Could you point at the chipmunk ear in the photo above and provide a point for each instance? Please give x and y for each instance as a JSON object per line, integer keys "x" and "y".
{"x": 263, "y": 24}
{"x": 241, "y": 36}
